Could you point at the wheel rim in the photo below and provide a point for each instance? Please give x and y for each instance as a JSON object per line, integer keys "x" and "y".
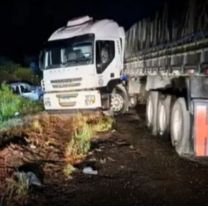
{"x": 149, "y": 113}
{"x": 117, "y": 102}
{"x": 162, "y": 119}
{"x": 177, "y": 126}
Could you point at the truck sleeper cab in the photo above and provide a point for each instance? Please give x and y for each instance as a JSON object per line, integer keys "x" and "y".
{"x": 82, "y": 66}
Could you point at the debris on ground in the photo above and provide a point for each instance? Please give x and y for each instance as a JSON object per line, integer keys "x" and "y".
{"x": 28, "y": 177}
{"x": 90, "y": 171}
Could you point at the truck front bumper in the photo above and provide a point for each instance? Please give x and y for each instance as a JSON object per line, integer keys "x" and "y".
{"x": 72, "y": 100}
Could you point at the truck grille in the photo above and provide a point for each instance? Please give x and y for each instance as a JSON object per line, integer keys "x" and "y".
{"x": 67, "y": 100}
{"x": 66, "y": 83}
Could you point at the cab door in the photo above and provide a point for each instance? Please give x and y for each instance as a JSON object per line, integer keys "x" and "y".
{"x": 108, "y": 61}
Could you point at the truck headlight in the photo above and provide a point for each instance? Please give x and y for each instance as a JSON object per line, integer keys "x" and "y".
{"x": 47, "y": 102}
{"x": 89, "y": 100}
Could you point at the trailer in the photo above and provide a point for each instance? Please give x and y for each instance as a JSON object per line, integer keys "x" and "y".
{"x": 166, "y": 59}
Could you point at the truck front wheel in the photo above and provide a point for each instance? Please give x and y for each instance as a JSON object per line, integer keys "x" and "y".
{"x": 180, "y": 128}
{"x": 119, "y": 100}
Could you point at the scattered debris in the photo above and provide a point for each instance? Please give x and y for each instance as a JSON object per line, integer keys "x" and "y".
{"x": 131, "y": 147}
{"x": 122, "y": 144}
{"x": 98, "y": 150}
{"x": 122, "y": 167}
{"x": 90, "y": 171}
{"x": 93, "y": 159}
{"x": 103, "y": 161}
{"x": 111, "y": 159}
{"x": 28, "y": 177}
{"x": 32, "y": 146}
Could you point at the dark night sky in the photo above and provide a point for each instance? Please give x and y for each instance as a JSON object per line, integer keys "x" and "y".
{"x": 26, "y": 24}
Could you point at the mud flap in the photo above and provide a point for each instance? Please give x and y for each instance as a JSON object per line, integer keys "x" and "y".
{"x": 201, "y": 128}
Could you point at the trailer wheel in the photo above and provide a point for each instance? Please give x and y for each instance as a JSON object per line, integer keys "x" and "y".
{"x": 151, "y": 111}
{"x": 180, "y": 128}
{"x": 119, "y": 100}
{"x": 164, "y": 104}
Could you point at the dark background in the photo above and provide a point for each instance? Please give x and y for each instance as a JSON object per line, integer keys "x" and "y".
{"x": 26, "y": 24}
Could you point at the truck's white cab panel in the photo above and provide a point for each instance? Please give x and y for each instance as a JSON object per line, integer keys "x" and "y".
{"x": 80, "y": 59}
{"x": 69, "y": 78}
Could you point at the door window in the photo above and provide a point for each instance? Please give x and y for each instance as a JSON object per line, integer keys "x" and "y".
{"x": 105, "y": 53}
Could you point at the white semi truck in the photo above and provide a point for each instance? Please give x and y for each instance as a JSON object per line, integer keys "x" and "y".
{"x": 90, "y": 65}
{"x": 83, "y": 65}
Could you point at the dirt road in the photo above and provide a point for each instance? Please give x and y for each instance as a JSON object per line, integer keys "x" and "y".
{"x": 134, "y": 168}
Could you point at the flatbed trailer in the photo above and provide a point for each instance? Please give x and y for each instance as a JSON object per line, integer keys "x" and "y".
{"x": 174, "y": 75}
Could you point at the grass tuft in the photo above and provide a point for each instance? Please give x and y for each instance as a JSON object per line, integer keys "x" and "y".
{"x": 104, "y": 125}
{"x": 36, "y": 126}
{"x": 84, "y": 129}
{"x": 80, "y": 143}
{"x": 17, "y": 191}
{"x": 68, "y": 170}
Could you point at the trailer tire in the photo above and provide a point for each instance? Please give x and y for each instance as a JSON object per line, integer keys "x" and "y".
{"x": 164, "y": 105}
{"x": 180, "y": 128}
{"x": 151, "y": 111}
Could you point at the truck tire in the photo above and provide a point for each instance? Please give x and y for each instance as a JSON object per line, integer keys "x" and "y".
{"x": 164, "y": 105}
{"x": 180, "y": 128}
{"x": 119, "y": 100}
{"x": 133, "y": 101}
{"x": 151, "y": 111}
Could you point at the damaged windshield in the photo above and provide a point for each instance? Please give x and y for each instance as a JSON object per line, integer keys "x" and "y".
{"x": 69, "y": 52}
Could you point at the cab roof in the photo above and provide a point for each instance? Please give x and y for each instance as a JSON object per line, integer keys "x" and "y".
{"x": 103, "y": 29}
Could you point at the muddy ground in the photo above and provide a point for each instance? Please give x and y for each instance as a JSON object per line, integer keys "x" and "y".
{"x": 134, "y": 168}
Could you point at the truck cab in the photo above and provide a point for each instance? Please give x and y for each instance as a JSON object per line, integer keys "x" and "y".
{"x": 82, "y": 66}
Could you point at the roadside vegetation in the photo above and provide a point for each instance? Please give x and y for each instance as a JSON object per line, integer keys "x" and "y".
{"x": 12, "y": 105}
{"x": 57, "y": 142}
{"x": 85, "y": 128}
{"x": 15, "y": 72}
{"x": 17, "y": 190}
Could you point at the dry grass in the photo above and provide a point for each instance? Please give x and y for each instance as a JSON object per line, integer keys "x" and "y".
{"x": 36, "y": 126}
{"x": 80, "y": 142}
{"x": 85, "y": 127}
{"x": 51, "y": 138}
{"x": 16, "y": 192}
{"x": 104, "y": 125}
{"x": 68, "y": 170}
